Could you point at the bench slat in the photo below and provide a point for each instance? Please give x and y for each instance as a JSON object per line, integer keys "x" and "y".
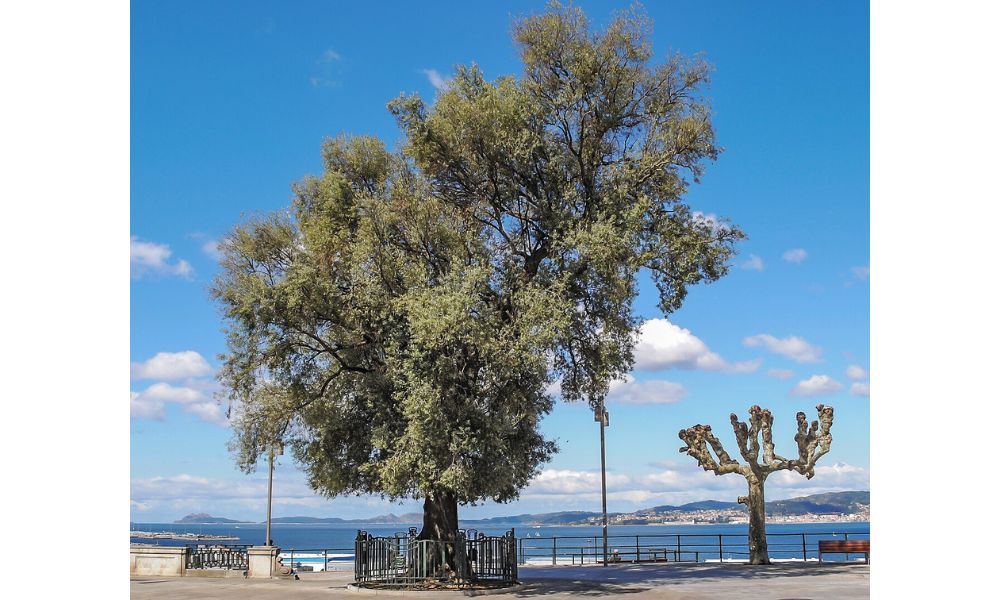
{"x": 850, "y": 545}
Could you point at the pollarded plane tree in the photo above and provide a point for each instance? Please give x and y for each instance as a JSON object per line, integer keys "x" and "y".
{"x": 813, "y": 441}
{"x": 398, "y": 328}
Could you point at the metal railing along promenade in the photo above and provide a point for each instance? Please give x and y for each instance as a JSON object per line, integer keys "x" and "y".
{"x": 672, "y": 547}
{"x": 553, "y": 550}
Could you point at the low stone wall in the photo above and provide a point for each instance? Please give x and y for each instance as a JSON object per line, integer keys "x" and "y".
{"x": 161, "y": 561}
{"x": 157, "y": 561}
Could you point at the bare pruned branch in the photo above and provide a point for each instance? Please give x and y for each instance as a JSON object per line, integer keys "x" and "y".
{"x": 813, "y": 442}
{"x": 698, "y": 438}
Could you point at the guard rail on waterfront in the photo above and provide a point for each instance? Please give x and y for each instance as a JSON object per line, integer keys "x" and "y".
{"x": 671, "y": 547}
{"x": 577, "y": 550}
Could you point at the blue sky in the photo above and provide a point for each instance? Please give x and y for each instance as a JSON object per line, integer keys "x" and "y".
{"x": 230, "y": 102}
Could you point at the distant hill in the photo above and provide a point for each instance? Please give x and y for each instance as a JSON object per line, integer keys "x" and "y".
{"x": 389, "y": 519}
{"x": 201, "y": 518}
{"x": 817, "y": 504}
{"x": 556, "y": 518}
{"x": 693, "y": 506}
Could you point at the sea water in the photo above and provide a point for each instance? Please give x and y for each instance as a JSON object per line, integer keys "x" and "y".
{"x": 306, "y": 543}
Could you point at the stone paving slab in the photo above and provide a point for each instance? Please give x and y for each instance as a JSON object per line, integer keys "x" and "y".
{"x": 824, "y": 581}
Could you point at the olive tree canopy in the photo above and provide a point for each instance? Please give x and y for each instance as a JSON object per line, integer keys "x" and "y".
{"x": 399, "y": 326}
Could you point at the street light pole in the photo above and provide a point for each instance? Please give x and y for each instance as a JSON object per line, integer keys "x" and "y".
{"x": 270, "y": 477}
{"x": 601, "y": 416}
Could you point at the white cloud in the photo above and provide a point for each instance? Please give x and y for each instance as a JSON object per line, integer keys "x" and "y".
{"x": 209, "y": 411}
{"x": 165, "y": 498}
{"x": 860, "y": 389}
{"x": 685, "y": 482}
{"x": 828, "y": 478}
{"x": 792, "y": 347}
{"x": 164, "y": 392}
{"x": 151, "y": 402}
{"x": 753, "y": 263}
{"x": 657, "y": 391}
{"x": 438, "y": 80}
{"x": 211, "y": 249}
{"x": 145, "y": 408}
{"x": 861, "y": 272}
{"x": 795, "y": 255}
{"x": 148, "y": 258}
{"x": 171, "y": 366}
{"x": 856, "y": 372}
{"x": 663, "y": 345}
{"x": 780, "y": 373}
{"x": 817, "y": 385}
{"x": 329, "y": 55}
{"x": 566, "y": 481}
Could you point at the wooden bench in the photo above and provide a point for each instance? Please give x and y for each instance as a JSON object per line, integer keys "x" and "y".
{"x": 845, "y": 547}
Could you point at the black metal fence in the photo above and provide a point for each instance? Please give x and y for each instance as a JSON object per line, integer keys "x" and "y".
{"x": 402, "y": 559}
{"x": 675, "y": 547}
{"x": 218, "y": 556}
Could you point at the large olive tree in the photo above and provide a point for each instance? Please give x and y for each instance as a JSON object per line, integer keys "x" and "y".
{"x": 398, "y": 327}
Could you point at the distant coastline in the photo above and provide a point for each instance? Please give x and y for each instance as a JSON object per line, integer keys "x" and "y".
{"x": 833, "y": 507}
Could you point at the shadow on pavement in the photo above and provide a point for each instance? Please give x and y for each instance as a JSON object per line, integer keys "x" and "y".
{"x": 630, "y": 579}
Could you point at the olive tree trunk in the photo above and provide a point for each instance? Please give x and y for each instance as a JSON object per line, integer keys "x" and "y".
{"x": 441, "y": 525}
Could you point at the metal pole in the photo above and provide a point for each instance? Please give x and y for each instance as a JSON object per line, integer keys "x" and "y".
{"x": 270, "y": 476}
{"x": 604, "y": 483}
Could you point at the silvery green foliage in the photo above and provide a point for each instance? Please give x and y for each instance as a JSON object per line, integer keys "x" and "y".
{"x": 398, "y": 327}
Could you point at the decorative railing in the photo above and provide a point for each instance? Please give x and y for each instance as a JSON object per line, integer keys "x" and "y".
{"x": 402, "y": 559}
{"x": 231, "y": 557}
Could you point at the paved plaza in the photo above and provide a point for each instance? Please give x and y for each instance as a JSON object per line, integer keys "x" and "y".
{"x": 786, "y": 581}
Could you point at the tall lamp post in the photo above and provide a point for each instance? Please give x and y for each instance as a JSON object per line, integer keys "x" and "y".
{"x": 601, "y": 416}
{"x": 276, "y": 449}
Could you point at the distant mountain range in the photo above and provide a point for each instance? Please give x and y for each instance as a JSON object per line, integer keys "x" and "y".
{"x": 389, "y": 519}
{"x": 818, "y": 504}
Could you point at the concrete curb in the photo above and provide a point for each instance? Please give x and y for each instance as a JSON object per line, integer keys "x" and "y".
{"x": 432, "y": 593}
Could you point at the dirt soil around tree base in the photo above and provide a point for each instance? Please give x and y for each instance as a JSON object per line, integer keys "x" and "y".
{"x": 816, "y": 581}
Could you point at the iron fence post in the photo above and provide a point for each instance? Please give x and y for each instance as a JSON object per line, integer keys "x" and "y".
{"x": 636, "y": 548}
{"x": 720, "y": 548}
{"x": 803, "y": 547}
{"x": 553, "y": 551}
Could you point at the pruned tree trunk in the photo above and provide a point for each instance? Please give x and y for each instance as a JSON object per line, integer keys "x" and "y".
{"x": 813, "y": 442}
{"x": 758, "y": 533}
